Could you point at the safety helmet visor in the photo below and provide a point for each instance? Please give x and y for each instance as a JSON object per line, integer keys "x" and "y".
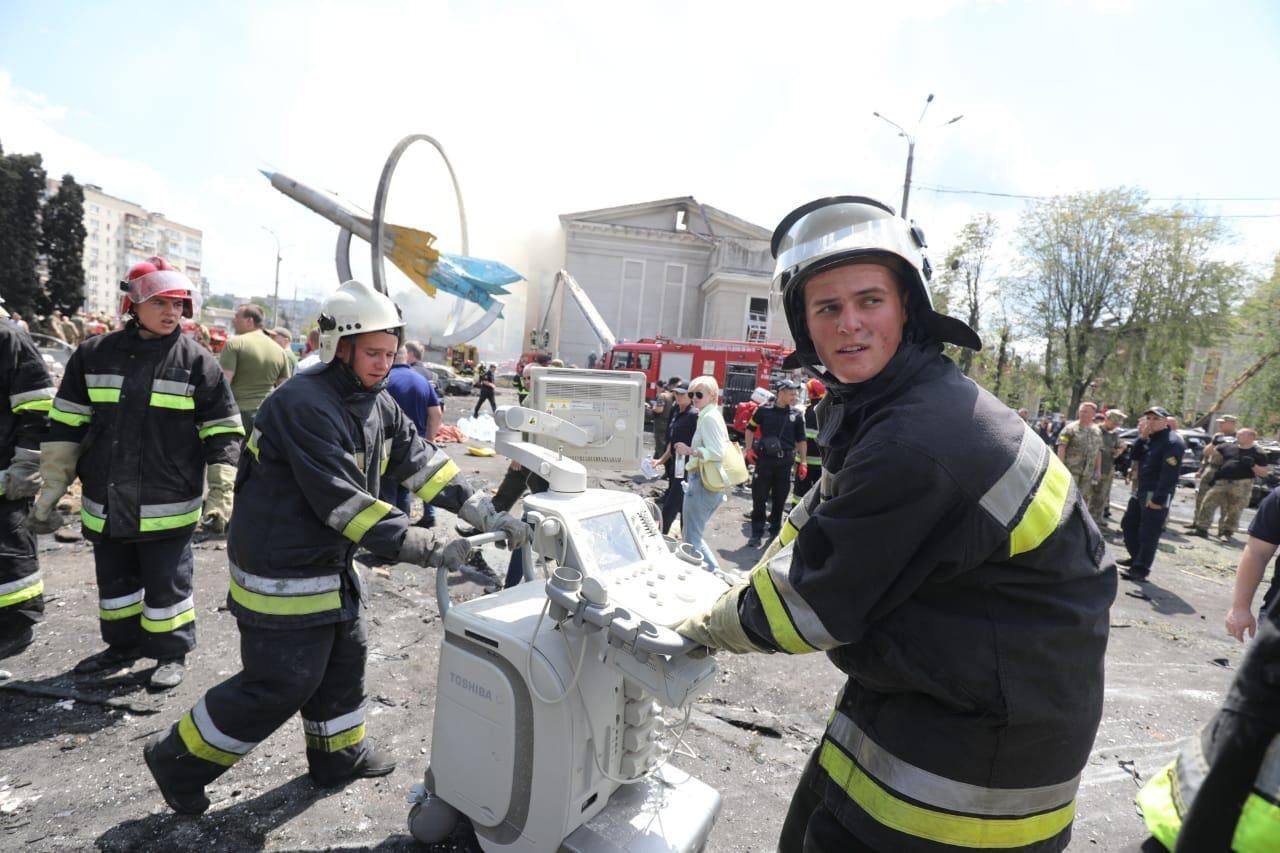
{"x": 167, "y": 283}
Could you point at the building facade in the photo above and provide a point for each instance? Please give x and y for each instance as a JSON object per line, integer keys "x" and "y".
{"x": 119, "y": 234}
{"x": 674, "y": 267}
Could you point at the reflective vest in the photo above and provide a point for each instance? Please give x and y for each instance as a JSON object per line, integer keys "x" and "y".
{"x": 149, "y": 414}
{"x": 947, "y": 565}
{"x": 307, "y": 495}
{"x": 1168, "y": 795}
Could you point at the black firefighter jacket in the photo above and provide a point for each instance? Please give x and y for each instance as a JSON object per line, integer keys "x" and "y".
{"x": 25, "y": 382}
{"x": 949, "y": 568}
{"x": 149, "y": 414}
{"x": 307, "y": 496}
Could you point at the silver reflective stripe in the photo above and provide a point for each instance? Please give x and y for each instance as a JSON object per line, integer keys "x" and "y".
{"x": 1268, "y": 779}
{"x": 801, "y": 512}
{"x": 64, "y": 405}
{"x": 16, "y": 400}
{"x": 1006, "y": 497}
{"x": 166, "y": 510}
{"x": 940, "y": 792}
{"x": 103, "y": 380}
{"x": 233, "y": 421}
{"x": 122, "y": 601}
{"x": 213, "y": 737}
{"x": 827, "y": 483}
{"x": 20, "y": 583}
{"x": 349, "y": 509}
{"x": 285, "y": 586}
{"x": 93, "y": 507}
{"x": 168, "y": 386}
{"x": 419, "y": 478}
{"x": 157, "y": 614}
{"x": 1191, "y": 768}
{"x": 334, "y": 726}
{"x": 803, "y": 617}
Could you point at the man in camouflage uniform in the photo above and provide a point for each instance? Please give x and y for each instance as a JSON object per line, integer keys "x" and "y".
{"x": 1099, "y": 494}
{"x": 1235, "y": 466}
{"x": 1080, "y": 449}
{"x": 1210, "y": 461}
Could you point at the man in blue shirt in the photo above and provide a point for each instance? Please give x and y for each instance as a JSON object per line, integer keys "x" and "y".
{"x": 419, "y": 401}
{"x": 1149, "y": 506}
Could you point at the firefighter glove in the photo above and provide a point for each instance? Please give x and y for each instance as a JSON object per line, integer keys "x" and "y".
{"x": 220, "y": 500}
{"x": 418, "y": 546}
{"x": 453, "y": 555}
{"x": 720, "y": 627}
{"x": 57, "y": 470}
{"x": 480, "y": 513}
{"x": 22, "y": 478}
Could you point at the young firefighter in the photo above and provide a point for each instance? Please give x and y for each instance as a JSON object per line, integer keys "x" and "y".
{"x": 142, "y": 414}
{"x": 25, "y": 395}
{"x": 306, "y": 501}
{"x": 945, "y": 564}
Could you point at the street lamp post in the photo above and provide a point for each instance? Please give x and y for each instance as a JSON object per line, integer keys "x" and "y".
{"x": 911, "y": 146}
{"x": 275, "y": 299}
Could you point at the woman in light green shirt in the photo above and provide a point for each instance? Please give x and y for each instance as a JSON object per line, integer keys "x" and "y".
{"x": 707, "y": 448}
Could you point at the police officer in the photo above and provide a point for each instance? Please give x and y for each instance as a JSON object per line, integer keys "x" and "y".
{"x": 143, "y": 416}
{"x": 812, "y": 458}
{"x": 1210, "y": 460}
{"x": 774, "y": 437}
{"x": 946, "y": 564}
{"x": 25, "y": 396}
{"x": 306, "y": 493}
{"x": 680, "y": 430}
{"x": 1144, "y": 517}
{"x": 664, "y": 405}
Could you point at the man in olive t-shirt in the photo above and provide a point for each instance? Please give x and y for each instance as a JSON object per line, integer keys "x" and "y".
{"x": 254, "y": 364}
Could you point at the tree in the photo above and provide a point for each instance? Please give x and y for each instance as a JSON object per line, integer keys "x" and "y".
{"x": 1258, "y": 324}
{"x": 62, "y": 244}
{"x": 963, "y": 271}
{"x": 22, "y": 184}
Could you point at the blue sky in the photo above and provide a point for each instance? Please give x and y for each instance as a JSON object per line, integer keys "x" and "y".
{"x": 547, "y": 108}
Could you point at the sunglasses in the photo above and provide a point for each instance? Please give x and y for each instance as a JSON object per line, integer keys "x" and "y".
{"x": 697, "y": 395}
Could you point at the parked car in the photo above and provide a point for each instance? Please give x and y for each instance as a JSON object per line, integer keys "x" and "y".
{"x": 1195, "y": 441}
{"x": 1262, "y": 486}
{"x": 455, "y": 384}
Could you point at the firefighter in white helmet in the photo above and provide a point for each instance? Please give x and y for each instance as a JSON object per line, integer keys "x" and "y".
{"x": 143, "y": 416}
{"x": 945, "y": 564}
{"x": 306, "y": 496}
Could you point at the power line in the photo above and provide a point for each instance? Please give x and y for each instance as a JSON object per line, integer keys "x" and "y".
{"x": 1172, "y": 215}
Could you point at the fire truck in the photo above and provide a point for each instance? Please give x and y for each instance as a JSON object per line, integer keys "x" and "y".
{"x": 739, "y": 367}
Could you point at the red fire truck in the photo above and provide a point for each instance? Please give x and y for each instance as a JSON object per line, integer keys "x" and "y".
{"x": 738, "y": 366}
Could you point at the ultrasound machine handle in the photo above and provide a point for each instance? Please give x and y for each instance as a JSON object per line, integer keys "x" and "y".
{"x": 442, "y": 574}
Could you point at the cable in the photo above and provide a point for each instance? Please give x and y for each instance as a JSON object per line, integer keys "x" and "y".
{"x": 1160, "y": 214}
{"x": 528, "y": 661}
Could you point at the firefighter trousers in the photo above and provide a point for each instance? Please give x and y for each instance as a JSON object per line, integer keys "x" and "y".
{"x": 810, "y": 480}
{"x": 770, "y": 485}
{"x": 318, "y": 671}
{"x": 809, "y": 826}
{"x": 144, "y": 592}
{"x": 21, "y": 588}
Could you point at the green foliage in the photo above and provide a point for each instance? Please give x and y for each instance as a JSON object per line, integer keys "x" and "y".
{"x": 1260, "y": 325}
{"x": 959, "y": 287}
{"x": 62, "y": 244}
{"x": 22, "y": 182}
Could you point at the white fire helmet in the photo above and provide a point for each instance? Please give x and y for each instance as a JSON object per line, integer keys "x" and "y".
{"x": 830, "y": 232}
{"x": 354, "y": 309}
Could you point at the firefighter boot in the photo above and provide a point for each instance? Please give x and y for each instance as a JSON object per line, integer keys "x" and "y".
{"x": 168, "y": 674}
{"x": 375, "y": 761}
{"x": 110, "y": 658}
{"x": 16, "y": 642}
{"x": 156, "y": 752}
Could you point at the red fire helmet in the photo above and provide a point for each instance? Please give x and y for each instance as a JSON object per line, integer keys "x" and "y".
{"x": 816, "y": 389}
{"x": 157, "y": 277}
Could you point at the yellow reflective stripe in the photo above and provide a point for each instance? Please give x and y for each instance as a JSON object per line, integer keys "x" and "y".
{"x": 159, "y": 626}
{"x": 68, "y": 418}
{"x": 365, "y": 519}
{"x": 438, "y": 481}
{"x": 120, "y": 613}
{"x": 197, "y": 746}
{"x": 789, "y": 533}
{"x": 169, "y": 522}
{"x": 333, "y": 743}
{"x": 779, "y": 622}
{"x": 941, "y": 827}
{"x": 33, "y": 406}
{"x": 168, "y": 401}
{"x": 1159, "y": 808}
{"x": 1042, "y": 515}
{"x": 104, "y": 395}
{"x": 1258, "y": 829}
{"x": 252, "y": 445}
{"x": 285, "y": 605}
{"x": 92, "y": 521}
{"x": 219, "y": 430}
{"x": 23, "y": 594}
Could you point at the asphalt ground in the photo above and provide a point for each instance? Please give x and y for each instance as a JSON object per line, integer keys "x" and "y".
{"x": 72, "y": 777}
